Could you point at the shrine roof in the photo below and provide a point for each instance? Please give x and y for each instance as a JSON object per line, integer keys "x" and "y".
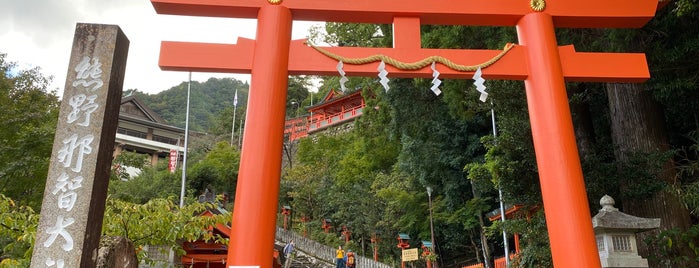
{"x": 141, "y": 110}
{"x": 334, "y": 96}
{"x": 134, "y": 110}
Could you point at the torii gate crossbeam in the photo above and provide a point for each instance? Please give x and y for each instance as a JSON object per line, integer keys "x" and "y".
{"x": 538, "y": 60}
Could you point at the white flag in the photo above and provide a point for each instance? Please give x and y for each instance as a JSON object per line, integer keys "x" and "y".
{"x": 235, "y": 99}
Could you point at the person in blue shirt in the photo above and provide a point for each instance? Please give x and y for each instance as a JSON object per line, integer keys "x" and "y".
{"x": 288, "y": 249}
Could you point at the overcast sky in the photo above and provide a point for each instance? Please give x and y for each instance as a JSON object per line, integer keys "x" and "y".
{"x": 39, "y": 33}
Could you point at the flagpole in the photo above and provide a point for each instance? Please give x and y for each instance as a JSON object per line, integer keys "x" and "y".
{"x": 235, "y": 107}
{"x": 186, "y": 135}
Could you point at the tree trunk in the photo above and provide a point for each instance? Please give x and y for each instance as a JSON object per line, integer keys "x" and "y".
{"x": 580, "y": 112}
{"x": 475, "y": 249}
{"x": 637, "y": 124}
{"x": 484, "y": 239}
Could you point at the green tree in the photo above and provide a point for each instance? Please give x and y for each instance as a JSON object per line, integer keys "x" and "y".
{"x": 161, "y": 222}
{"x": 126, "y": 160}
{"x": 218, "y": 171}
{"x": 158, "y": 222}
{"x": 151, "y": 183}
{"x": 29, "y": 117}
{"x": 207, "y": 100}
{"x": 17, "y": 232}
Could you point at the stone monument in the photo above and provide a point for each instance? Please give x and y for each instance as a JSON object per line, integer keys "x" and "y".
{"x": 72, "y": 210}
{"x": 615, "y": 234}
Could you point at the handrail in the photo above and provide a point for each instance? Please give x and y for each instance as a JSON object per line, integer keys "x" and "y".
{"x": 315, "y": 124}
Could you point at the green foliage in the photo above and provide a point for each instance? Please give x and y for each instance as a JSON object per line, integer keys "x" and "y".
{"x": 353, "y": 34}
{"x": 686, "y": 8}
{"x": 157, "y": 222}
{"x": 152, "y": 182}
{"x": 688, "y": 171}
{"x": 17, "y": 228}
{"x": 297, "y": 93}
{"x": 218, "y": 171}
{"x": 29, "y": 118}
{"x": 643, "y": 169}
{"x": 161, "y": 222}
{"x": 207, "y": 100}
{"x": 670, "y": 247}
{"x": 127, "y": 159}
{"x": 534, "y": 241}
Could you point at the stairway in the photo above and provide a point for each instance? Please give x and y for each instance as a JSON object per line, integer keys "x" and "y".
{"x": 311, "y": 254}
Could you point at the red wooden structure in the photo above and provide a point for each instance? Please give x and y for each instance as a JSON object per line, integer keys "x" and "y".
{"x": 403, "y": 245}
{"x": 304, "y": 220}
{"x": 427, "y": 251}
{"x": 346, "y": 233}
{"x": 537, "y": 59}
{"x": 334, "y": 109}
{"x": 511, "y": 212}
{"x": 286, "y": 211}
{"x": 296, "y": 128}
{"x": 375, "y": 244}
{"x": 209, "y": 254}
{"x": 326, "y": 224}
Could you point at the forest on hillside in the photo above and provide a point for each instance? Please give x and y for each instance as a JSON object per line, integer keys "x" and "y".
{"x": 211, "y": 103}
{"x": 638, "y": 143}
{"x": 207, "y": 101}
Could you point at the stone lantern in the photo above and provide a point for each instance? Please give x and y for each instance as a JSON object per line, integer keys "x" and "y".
{"x": 615, "y": 234}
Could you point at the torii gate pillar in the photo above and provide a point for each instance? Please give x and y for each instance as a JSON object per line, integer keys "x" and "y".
{"x": 256, "y": 198}
{"x": 560, "y": 173}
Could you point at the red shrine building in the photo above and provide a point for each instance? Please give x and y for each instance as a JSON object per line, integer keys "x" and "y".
{"x": 335, "y": 109}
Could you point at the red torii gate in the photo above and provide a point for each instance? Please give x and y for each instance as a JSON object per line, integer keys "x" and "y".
{"x": 538, "y": 60}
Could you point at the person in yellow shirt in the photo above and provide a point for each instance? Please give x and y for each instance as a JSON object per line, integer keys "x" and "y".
{"x": 339, "y": 257}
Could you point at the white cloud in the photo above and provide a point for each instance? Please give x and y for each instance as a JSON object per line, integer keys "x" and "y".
{"x": 39, "y": 33}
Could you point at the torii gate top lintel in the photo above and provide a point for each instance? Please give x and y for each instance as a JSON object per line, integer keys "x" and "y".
{"x": 566, "y": 14}
{"x": 406, "y": 17}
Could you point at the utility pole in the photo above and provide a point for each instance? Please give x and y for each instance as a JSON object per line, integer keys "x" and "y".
{"x": 429, "y": 198}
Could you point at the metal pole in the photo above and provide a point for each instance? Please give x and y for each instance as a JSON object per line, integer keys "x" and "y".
{"x": 502, "y": 205}
{"x": 240, "y": 133}
{"x": 186, "y": 136}
{"x": 235, "y": 108}
{"x": 429, "y": 198}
